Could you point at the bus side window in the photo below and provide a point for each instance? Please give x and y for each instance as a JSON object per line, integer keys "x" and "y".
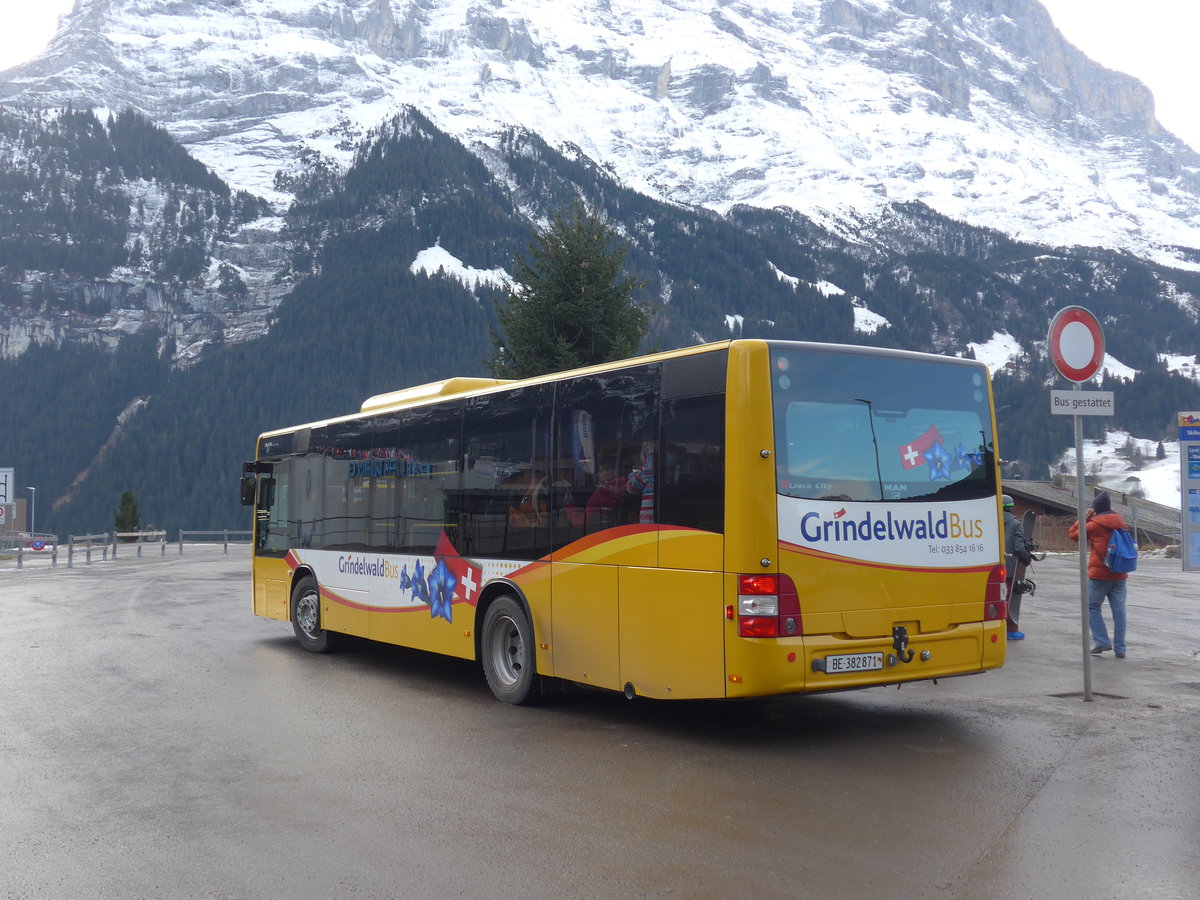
{"x": 272, "y": 511}
{"x": 508, "y": 435}
{"x": 606, "y": 432}
{"x": 427, "y": 494}
{"x": 304, "y": 518}
{"x": 347, "y": 485}
{"x": 692, "y": 481}
{"x": 384, "y": 530}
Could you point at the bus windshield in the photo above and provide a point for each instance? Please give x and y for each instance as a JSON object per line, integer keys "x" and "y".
{"x": 853, "y": 427}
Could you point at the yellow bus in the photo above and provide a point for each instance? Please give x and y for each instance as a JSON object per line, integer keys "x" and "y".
{"x": 728, "y": 520}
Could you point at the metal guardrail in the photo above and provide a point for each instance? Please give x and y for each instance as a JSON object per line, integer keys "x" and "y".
{"x": 11, "y": 540}
{"x": 87, "y": 541}
{"x": 38, "y": 544}
{"x": 107, "y": 543}
{"x": 225, "y": 535}
{"x": 140, "y": 539}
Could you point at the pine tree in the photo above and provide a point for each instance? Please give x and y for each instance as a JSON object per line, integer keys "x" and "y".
{"x": 126, "y": 518}
{"x": 569, "y": 305}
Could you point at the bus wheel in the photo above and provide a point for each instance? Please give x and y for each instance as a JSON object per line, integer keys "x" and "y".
{"x": 508, "y": 652}
{"x": 306, "y": 617}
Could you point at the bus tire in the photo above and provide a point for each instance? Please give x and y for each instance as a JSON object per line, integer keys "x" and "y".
{"x": 507, "y": 652}
{"x": 306, "y": 617}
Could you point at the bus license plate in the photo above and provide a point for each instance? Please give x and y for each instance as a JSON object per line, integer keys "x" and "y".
{"x": 853, "y": 662}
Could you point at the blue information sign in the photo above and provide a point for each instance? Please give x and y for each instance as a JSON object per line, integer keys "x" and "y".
{"x": 1189, "y": 486}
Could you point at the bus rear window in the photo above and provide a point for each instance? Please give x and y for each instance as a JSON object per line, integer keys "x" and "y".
{"x": 874, "y": 427}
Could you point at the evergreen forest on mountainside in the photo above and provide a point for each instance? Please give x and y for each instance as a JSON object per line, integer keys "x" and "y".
{"x": 65, "y": 182}
{"x": 358, "y": 321}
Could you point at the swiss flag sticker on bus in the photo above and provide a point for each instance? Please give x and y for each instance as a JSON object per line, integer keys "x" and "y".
{"x": 468, "y": 574}
{"x": 912, "y": 454}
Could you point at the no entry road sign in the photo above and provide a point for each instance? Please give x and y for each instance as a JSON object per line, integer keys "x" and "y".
{"x": 1076, "y": 344}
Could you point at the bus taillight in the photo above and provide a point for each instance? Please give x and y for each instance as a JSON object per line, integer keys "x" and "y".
{"x": 768, "y": 606}
{"x": 994, "y": 605}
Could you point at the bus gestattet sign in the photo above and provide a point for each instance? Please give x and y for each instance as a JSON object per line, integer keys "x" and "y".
{"x": 1076, "y": 343}
{"x": 1081, "y": 403}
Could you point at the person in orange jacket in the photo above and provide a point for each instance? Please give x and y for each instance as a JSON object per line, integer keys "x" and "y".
{"x": 1103, "y": 582}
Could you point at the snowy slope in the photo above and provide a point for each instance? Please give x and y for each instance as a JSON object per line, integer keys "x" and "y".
{"x": 831, "y": 107}
{"x": 1109, "y": 460}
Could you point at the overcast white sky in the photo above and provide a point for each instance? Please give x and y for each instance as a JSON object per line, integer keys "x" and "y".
{"x": 1153, "y": 40}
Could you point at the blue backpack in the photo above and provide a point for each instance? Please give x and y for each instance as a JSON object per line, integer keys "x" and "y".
{"x": 1122, "y": 552}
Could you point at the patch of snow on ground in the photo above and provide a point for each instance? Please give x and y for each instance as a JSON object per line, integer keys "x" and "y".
{"x": 1114, "y": 368}
{"x": 1159, "y": 478}
{"x": 868, "y": 322}
{"x": 734, "y": 323}
{"x": 1180, "y": 365}
{"x": 434, "y": 260}
{"x": 783, "y": 276}
{"x": 829, "y": 289}
{"x": 998, "y": 351}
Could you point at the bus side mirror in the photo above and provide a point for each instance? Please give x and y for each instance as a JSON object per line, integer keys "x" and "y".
{"x": 248, "y": 492}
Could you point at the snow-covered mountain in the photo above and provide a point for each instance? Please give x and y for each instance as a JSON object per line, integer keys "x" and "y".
{"x": 813, "y": 156}
{"x": 835, "y": 108}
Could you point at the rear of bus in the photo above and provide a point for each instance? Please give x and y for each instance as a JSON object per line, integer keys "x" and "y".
{"x": 889, "y": 559}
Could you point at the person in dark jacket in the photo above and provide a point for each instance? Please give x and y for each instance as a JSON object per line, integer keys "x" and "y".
{"x": 1103, "y": 582}
{"x": 1015, "y": 549}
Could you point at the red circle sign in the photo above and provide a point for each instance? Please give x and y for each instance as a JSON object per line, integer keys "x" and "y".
{"x": 1076, "y": 343}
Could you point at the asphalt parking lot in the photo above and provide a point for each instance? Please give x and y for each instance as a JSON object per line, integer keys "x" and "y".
{"x": 160, "y": 741}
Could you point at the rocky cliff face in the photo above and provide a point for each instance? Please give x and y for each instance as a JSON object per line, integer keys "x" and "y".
{"x": 106, "y": 310}
{"x": 832, "y": 107}
{"x": 109, "y": 228}
{"x": 1006, "y": 49}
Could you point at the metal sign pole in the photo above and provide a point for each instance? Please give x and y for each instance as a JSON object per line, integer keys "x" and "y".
{"x": 1076, "y": 344}
{"x": 1083, "y": 558}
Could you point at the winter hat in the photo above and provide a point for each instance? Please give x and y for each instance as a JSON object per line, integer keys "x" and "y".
{"x": 1101, "y": 503}
{"x": 1006, "y": 501}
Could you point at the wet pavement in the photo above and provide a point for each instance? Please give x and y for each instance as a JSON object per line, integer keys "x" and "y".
{"x": 160, "y": 741}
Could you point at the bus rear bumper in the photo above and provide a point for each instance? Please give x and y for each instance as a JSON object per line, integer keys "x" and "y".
{"x": 830, "y": 663}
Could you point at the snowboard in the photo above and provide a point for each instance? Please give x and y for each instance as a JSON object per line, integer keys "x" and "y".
{"x": 1016, "y": 578}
